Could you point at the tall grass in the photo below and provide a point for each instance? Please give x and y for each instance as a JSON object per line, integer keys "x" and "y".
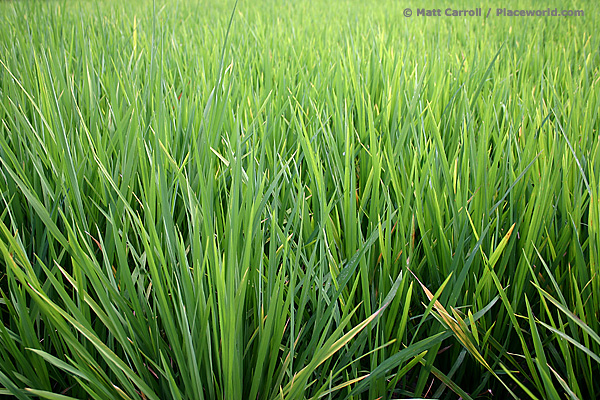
{"x": 315, "y": 201}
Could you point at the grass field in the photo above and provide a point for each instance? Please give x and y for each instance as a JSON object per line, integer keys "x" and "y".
{"x": 294, "y": 199}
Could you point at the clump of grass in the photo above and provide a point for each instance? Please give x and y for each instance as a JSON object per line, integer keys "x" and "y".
{"x": 297, "y": 200}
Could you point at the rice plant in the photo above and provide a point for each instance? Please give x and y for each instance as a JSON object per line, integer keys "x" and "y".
{"x": 298, "y": 200}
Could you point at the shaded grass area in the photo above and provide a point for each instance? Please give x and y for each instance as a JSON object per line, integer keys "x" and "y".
{"x": 315, "y": 201}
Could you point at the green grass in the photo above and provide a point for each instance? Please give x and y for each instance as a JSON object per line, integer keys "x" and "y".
{"x": 282, "y": 200}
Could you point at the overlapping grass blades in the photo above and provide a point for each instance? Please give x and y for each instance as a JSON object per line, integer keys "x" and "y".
{"x": 338, "y": 203}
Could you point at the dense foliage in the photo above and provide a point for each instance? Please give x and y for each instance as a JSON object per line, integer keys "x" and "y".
{"x": 298, "y": 200}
